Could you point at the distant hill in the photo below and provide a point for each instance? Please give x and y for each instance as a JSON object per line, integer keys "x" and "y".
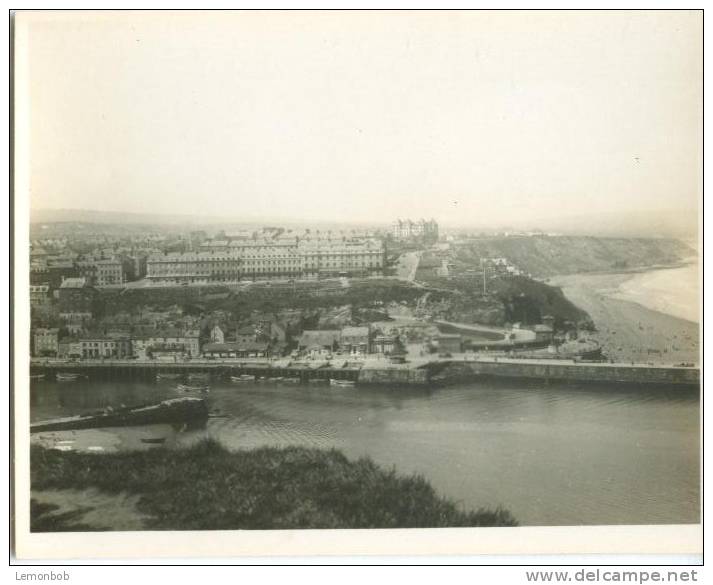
{"x": 93, "y": 217}
{"x": 113, "y": 217}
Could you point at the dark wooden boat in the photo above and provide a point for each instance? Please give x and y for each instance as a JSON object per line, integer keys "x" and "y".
{"x": 154, "y": 440}
{"x": 169, "y": 411}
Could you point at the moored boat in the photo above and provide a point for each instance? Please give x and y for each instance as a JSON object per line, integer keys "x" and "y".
{"x": 154, "y": 440}
{"x": 198, "y": 377}
{"x": 169, "y": 411}
{"x": 345, "y": 383}
{"x": 168, "y": 376}
{"x": 242, "y": 378}
{"x": 290, "y": 380}
{"x": 68, "y": 377}
{"x": 191, "y": 388}
{"x": 37, "y": 376}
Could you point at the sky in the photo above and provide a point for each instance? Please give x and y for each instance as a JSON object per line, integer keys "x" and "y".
{"x": 472, "y": 118}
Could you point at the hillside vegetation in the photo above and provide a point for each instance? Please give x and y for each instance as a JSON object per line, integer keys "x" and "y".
{"x": 207, "y": 487}
{"x": 547, "y": 256}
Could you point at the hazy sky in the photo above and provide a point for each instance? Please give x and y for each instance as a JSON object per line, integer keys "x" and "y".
{"x": 466, "y": 117}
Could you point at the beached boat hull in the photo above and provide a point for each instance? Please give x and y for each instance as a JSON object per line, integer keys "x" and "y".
{"x": 168, "y": 411}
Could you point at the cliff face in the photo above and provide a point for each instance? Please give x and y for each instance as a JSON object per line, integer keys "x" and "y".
{"x": 549, "y": 255}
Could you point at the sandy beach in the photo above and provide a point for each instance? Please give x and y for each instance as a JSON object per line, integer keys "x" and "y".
{"x": 629, "y": 331}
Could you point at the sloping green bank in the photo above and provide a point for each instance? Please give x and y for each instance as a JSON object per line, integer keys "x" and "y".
{"x": 207, "y": 487}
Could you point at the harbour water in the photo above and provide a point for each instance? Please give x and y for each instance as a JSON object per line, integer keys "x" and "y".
{"x": 557, "y": 455}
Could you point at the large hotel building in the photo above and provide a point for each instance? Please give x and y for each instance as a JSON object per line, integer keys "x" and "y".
{"x": 264, "y": 258}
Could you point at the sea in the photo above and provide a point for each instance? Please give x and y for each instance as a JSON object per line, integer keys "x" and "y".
{"x": 552, "y": 455}
{"x": 674, "y": 291}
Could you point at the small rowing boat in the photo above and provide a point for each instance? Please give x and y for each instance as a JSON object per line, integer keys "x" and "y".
{"x": 189, "y": 388}
{"x": 344, "y": 383}
{"x": 68, "y": 377}
{"x": 290, "y": 381}
{"x": 198, "y": 377}
{"x": 160, "y": 377}
{"x": 242, "y": 378}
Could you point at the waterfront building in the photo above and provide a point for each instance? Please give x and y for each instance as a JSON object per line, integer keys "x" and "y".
{"x": 448, "y": 343}
{"x": 248, "y": 349}
{"x": 170, "y": 342}
{"x": 245, "y": 334}
{"x": 105, "y": 346}
{"x": 46, "y": 342}
{"x": 318, "y": 342}
{"x": 384, "y": 344}
{"x": 356, "y": 340}
{"x": 543, "y": 333}
{"x": 69, "y": 347}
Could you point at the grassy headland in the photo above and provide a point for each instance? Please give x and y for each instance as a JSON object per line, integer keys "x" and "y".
{"x": 207, "y": 487}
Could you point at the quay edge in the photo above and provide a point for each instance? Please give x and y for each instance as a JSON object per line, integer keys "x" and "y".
{"x": 433, "y": 372}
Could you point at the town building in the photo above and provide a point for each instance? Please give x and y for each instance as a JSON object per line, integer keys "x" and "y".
{"x": 39, "y": 294}
{"x": 76, "y": 303}
{"x": 280, "y": 257}
{"x": 46, "y": 342}
{"x": 109, "y": 271}
{"x": 217, "y": 335}
{"x": 422, "y": 229}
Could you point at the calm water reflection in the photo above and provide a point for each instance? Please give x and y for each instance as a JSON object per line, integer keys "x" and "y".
{"x": 555, "y": 455}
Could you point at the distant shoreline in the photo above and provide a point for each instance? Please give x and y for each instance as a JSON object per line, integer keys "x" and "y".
{"x": 622, "y": 271}
{"x": 628, "y": 329}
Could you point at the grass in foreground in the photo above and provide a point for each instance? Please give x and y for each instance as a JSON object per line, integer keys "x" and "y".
{"x": 207, "y": 487}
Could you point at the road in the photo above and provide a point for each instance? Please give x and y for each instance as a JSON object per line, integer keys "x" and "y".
{"x": 407, "y": 266}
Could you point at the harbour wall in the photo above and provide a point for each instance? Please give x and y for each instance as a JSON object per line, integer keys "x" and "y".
{"x": 407, "y": 376}
{"x": 575, "y": 372}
